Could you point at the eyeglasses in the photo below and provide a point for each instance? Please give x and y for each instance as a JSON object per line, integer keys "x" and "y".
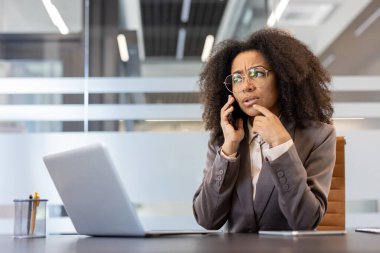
{"x": 256, "y": 74}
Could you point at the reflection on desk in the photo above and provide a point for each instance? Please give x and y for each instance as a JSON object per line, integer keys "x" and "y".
{"x": 352, "y": 242}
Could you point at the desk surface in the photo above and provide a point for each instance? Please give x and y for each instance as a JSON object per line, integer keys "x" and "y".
{"x": 352, "y": 242}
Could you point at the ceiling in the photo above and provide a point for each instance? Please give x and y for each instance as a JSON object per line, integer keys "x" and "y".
{"x": 171, "y": 43}
{"x": 324, "y": 25}
{"x": 356, "y": 51}
{"x": 319, "y": 23}
{"x": 172, "y": 30}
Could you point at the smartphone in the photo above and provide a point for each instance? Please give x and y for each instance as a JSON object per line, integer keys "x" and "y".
{"x": 235, "y": 115}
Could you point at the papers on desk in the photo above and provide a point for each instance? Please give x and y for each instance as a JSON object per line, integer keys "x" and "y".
{"x": 302, "y": 232}
{"x": 368, "y": 230}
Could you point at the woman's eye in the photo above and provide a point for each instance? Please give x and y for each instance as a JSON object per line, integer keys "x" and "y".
{"x": 255, "y": 73}
{"x": 236, "y": 79}
{"x": 259, "y": 74}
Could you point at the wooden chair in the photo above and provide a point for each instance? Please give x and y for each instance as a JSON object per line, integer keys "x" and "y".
{"x": 335, "y": 217}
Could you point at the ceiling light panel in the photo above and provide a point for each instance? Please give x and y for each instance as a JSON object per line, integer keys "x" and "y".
{"x": 306, "y": 13}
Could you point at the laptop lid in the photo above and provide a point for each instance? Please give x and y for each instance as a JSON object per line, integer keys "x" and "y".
{"x": 92, "y": 193}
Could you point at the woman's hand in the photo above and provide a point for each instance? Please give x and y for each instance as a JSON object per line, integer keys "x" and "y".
{"x": 232, "y": 137}
{"x": 269, "y": 127}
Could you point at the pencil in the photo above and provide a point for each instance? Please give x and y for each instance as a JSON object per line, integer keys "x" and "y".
{"x": 34, "y": 213}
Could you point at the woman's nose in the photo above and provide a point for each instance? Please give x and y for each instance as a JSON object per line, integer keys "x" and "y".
{"x": 248, "y": 85}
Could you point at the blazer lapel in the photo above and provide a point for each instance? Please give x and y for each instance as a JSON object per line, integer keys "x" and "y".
{"x": 264, "y": 189}
{"x": 265, "y": 185}
{"x": 244, "y": 181}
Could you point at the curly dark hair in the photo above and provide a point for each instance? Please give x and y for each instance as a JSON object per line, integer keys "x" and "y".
{"x": 302, "y": 82}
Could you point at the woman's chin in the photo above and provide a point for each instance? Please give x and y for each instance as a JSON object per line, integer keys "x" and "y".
{"x": 251, "y": 112}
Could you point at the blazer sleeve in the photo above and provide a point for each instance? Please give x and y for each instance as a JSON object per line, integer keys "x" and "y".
{"x": 212, "y": 200}
{"x": 303, "y": 187}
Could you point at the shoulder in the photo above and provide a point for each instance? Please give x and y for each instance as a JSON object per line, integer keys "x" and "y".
{"x": 315, "y": 133}
{"x": 316, "y": 138}
{"x": 318, "y": 128}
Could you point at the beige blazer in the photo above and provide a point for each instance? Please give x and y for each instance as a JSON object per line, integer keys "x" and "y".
{"x": 291, "y": 191}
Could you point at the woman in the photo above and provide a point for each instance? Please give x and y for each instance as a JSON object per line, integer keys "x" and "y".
{"x": 271, "y": 151}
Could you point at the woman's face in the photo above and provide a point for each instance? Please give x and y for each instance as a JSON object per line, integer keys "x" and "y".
{"x": 256, "y": 86}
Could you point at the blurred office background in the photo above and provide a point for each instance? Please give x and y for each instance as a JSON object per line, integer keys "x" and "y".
{"x": 124, "y": 72}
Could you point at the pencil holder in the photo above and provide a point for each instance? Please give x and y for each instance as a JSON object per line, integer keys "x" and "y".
{"x": 30, "y": 218}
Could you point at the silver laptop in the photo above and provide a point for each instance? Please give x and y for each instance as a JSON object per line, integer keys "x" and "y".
{"x": 93, "y": 195}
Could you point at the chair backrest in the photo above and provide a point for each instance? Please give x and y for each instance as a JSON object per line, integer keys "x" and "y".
{"x": 335, "y": 217}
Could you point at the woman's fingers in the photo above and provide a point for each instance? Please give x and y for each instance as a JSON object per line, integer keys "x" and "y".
{"x": 227, "y": 109}
{"x": 228, "y": 103}
{"x": 227, "y": 112}
{"x": 270, "y": 128}
{"x": 263, "y": 110}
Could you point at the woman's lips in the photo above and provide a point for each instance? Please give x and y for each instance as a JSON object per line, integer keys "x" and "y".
{"x": 250, "y": 101}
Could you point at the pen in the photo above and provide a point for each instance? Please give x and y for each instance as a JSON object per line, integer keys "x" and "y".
{"x": 35, "y": 204}
{"x": 29, "y": 212}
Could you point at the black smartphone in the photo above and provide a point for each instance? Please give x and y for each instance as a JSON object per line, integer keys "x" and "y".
{"x": 234, "y": 115}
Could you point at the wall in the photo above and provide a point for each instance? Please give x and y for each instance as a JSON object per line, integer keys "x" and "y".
{"x": 162, "y": 183}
